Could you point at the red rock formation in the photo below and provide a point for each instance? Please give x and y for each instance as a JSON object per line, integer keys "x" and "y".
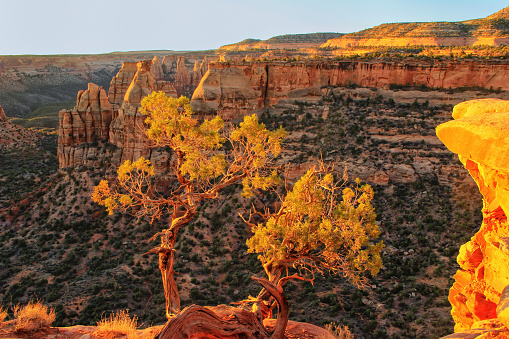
{"x": 128, "y": 124}
{"x": 93, "y": 118}
{"x": 3, "y": 118}
{"x": 157, "y": 68}
{"x": 348, "y": 42}
{"x": 197, "y": 74}
{"x": 182, "y": 75}
{"x": 479, "y": 137}
{"x": 237, "y": 88}
{"x": 120, "y": 83}
{"x": 87, "y": 122}
{"x": 199, "y": 70}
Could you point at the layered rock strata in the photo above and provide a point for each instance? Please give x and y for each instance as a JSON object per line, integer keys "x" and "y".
{"x": 182, "y": 74}
{"x": 347, "y": 42}
{"x": 235, "y": 88}
{"x": 120, "y": 83}
{"x": 87, "y": 122}
{"x": 101, "y": 118}
{"x": 479, "y": 136}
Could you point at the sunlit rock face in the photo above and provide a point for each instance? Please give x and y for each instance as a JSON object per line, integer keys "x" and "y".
{"x": 87, "y": 122}
{"x": 237, "y": 88}
{"x": 112, "y": 118}
{"x": 480, "y": 136}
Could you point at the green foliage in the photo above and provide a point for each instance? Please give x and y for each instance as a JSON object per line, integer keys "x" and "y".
{"x": 315, "y": 232}
{"x": 206, "y": 159}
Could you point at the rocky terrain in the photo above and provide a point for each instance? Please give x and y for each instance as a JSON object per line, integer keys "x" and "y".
{"x": 57, "y": 244}
{"x": 375, "y": 115}
{"x": 235, "y": 88}
{"x": 492, "y": 30}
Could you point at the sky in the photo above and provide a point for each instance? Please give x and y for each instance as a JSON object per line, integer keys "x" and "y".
{"x": 103, "y": 26}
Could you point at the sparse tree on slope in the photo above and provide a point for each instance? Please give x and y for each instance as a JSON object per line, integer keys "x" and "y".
{"x": 206, "y": 157}
{"x": 321, "y": 227}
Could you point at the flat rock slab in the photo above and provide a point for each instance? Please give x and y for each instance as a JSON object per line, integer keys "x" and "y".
{"x": 483, "y": 138}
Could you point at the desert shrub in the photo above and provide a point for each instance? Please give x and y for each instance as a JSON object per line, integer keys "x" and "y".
{"x": 338, "y": 331}
{"x": 117, "y": 324}
{"x": 33, "y": 316}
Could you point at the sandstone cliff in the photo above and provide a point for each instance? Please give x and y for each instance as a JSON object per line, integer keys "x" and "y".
{"x": 491, "y": 31}
{"x": 237, "y": 88}
{"x": 182, "y": 74}
{"x": 157, "y": 68}
{"x": 87, "y": 122}
{"x": 113, "y": 118}
{"x": 176, "y": 69}
{"x": 120, "y": 83}
{"x": 479, "y": 136}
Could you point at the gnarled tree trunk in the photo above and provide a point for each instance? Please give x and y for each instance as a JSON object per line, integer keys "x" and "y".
{"x": 223, "y": 322}
{"x": 166, "y": 260}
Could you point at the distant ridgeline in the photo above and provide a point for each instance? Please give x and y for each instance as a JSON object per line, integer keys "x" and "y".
{"x": 492, "y": 31}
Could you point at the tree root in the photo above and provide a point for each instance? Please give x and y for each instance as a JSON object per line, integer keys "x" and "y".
{"x": 225, "y": 322}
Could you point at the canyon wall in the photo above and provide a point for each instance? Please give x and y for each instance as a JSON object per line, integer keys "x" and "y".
{"x": 235, "y": 88}
{"x": 480, "y": 293}
{"x": 347, "y": 42}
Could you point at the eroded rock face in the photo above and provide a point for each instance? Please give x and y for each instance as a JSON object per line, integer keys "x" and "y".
{"x": 479, "y": 136}
{"x": 157, "y": 68}
{"x": 182, "y": 75}
{"x": 120, "y": 83}
{"x": 99, "y": 118}
{"x": 87, "y": 122}
{"x": 238, "y": 87}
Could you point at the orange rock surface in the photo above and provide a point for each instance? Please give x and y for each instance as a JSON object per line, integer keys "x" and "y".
{"x": 346, "y": 42}
{"x": 235, "y": 88}
{"x": 113, "y": 118}
{"x": 480, "y": 137}
{"x": 87, "y": 122}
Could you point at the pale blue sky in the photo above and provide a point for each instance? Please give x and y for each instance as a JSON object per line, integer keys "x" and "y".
{"x": 101, "y": 26}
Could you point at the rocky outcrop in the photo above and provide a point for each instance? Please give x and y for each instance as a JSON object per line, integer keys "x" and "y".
{"x": 199, "y": 70}
{"x": 3, "y": 118}
{"x": 157, "y": 68}
{"x": 488, "y": 31}
{"x": 169, "y": 64}
{"x": 479, "y": 136}
{"x": 99, "y": 118}
{"x": 346, "y": 42}
{"x": 182, "y": 74}
{"x": 128, "y": 124}
{"x": 87, "y": 122}
{"x": 240, "y": 87}
{"x": 197, "y": 74}
{"x": 120, "y": 83}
